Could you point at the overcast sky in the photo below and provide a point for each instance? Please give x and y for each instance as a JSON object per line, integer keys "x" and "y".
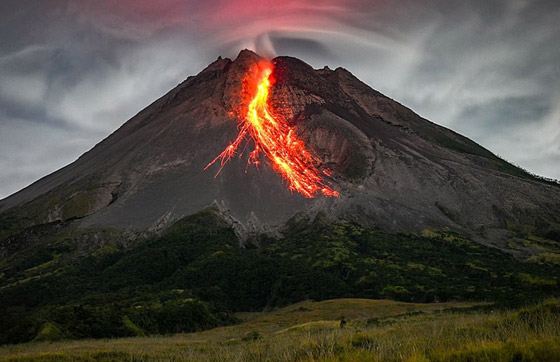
{"x": 71, "y": 72}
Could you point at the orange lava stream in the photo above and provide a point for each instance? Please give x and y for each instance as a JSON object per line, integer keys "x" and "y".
{"x": 278, "y": 141}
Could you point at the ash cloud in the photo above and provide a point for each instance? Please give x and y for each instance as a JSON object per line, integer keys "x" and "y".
{"x": 72, "y": 72}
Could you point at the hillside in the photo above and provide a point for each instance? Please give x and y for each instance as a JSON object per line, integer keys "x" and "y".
{"x": 196, "y": 275}
{"x": 375, "y": 330}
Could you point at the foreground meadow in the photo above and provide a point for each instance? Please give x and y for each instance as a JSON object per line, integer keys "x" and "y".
{"x": 373, "y": 330}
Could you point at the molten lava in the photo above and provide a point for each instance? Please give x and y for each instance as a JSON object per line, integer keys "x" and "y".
{"x": 275, "y": 138}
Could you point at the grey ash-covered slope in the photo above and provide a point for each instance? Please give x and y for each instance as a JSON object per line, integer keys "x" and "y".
{"x": 394, "y": 170}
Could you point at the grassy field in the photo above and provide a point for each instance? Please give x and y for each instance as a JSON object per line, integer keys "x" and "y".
{"x": 376, "y": 330}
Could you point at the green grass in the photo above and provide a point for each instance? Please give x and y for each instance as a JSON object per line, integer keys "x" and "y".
{"x": 310, "y": 331}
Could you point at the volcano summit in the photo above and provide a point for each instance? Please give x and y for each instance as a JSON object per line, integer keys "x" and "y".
{"x": 389, "y": 168}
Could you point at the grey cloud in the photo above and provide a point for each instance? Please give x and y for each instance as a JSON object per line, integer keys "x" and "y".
{"x": 68, "y": 86}
{"x": 291, "y": 45}
{"x": 500, "y": 114}
{"x": 32, "y": 150}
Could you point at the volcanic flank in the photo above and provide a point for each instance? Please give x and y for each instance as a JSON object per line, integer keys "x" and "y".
{"x": 388, "y": 167}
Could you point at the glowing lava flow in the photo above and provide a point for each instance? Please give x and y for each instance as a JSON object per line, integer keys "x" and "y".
{"x": 278, "y": 141}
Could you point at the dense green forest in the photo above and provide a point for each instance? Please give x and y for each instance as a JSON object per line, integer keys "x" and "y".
{"x": 196, "y": 275}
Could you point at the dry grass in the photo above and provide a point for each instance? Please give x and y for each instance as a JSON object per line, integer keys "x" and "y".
{"x": 378, "y": 330}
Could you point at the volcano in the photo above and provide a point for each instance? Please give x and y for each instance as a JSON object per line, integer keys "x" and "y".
{"x": 383, "y": 166}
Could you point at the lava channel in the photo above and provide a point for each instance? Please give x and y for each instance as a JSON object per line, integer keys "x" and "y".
{"x": 275, "y": 138}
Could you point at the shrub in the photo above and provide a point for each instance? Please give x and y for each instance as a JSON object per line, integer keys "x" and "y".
{"x": 364, "y": 341}
{"x": 252, "y": 336}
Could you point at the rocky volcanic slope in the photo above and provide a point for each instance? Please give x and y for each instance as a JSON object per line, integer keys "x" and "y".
{"x": 394, "y": 170}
